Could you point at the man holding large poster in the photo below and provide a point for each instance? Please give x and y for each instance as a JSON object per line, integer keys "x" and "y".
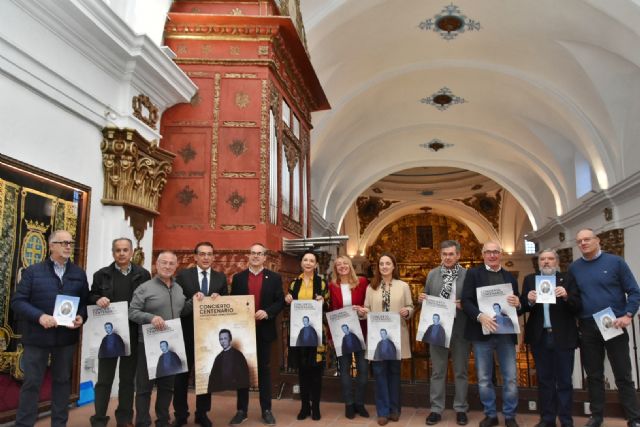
{"x": 153, "y": 302}
{"x": 266, "y": 287}
{"x": 201, "y": 278}
{"x": 491, "y": 273}
{"x": 111, "y": 284}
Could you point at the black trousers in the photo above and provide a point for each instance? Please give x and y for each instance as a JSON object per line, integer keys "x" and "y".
{"x": 181, "y": 388}
{"x": 554, "y": 368}
{"x": 34, "y": 363}
{"x": 126, "y": 388}
{"x": 144, "y": 387}
{"x": 310, "y": 379}
{"x": 264, "y": 379}
{"x": 592, "y": 349}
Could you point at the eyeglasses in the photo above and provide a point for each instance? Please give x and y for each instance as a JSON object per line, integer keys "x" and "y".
{"x": 492, "y": 252}
{"x": 205, "y": 254}
{"x": 256, "y": 253}
{"x": 585, "y": 240}
{"x": 65, "y": 243}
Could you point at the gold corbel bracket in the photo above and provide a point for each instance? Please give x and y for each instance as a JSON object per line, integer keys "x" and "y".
{"x": 139, "y": 220}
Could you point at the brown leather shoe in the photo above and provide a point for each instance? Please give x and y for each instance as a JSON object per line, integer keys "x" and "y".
{"x": 394, "y": 417}
{"x": 382, "y": 421}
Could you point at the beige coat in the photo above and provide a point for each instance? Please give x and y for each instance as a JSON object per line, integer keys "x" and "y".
{"x": 400, "y": 297}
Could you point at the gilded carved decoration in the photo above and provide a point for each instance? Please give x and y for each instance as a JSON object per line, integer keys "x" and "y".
{"x": 238, "y": 174}
{"x": 237, "y": 227}
{"x": 264, "y": 149}
{"x": 142, "y": 104}
{"x": 236, "y": 201}
{"x": 291, "y": 150}
{"x": 369, "y": 208}
{"x": 612, "y": 241}
{"x": 263, "y": 50}
{"x": 486, "y": 205}
{"x": 242, "y": 100}
{"x": 239, "y": 124}
{"x": 240, "y": 76}
{"x": 214, "y": 152}
{"x": 291, "y": 225}
{"x": 566, "y": 258}
{"x": 608, "y": 214}
{"x": 238, "y": 147}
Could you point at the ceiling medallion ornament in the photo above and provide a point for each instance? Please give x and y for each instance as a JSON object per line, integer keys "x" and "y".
{"x": 443, "y": 99}
{"x": 435, "y": 145}
{"x": 449, "y": 23}
{"x": 186, "y": 196}
{"x": 238, "y": 147}
{"x": 236, "y": 201}
{"x": 242, "y": 100}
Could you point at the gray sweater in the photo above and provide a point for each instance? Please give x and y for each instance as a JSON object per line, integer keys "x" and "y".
{"x": 154, "y": 298}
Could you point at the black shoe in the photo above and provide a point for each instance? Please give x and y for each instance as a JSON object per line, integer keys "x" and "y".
{"x": 305, "y": 411}
{"x": 203, "y": 420}
{"x": 361, "y": 410}
{"x": 179, "y": 422}
{"x": 489, "y": 422}
{"x": 238, "y": 418}
{"x": 350, "y": 411}
{"x": 315, "y": 411}
{"x": 593, "y": 422}
{"x": 268, "y": 418}
{"x": 433, "y": 419}
{"x": 634, "y": 423}
{"x": 511, "y": 422}
{"x": 462, "y": 419}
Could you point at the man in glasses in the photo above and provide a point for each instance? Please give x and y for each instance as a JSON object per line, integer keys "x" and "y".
{"x": 116, "y": 283}
{"x": 605, "y": 280}
{"x": 484, "y": 346}
{"x": 200, "y": 278}
{"x": 33, "y": 303}
{"x": 266, "y": 287}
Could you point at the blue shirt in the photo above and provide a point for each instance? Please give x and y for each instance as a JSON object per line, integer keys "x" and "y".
{"x": 606, "y": 281}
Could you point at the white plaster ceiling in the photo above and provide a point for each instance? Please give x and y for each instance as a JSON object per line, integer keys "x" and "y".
{"x": 546, "y": 83}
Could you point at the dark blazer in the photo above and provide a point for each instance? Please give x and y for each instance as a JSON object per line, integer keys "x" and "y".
{"x": 102, "y": 285}
{"x": 271, "y": 300}
{"x": 478, "y": 277}
{"x": 190, "y": 282}
{"x": 562, "y": 313}
{"x": 36, "y": 295}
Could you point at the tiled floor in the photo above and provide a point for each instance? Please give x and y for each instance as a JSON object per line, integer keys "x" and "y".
{"x": 224, "y": 406}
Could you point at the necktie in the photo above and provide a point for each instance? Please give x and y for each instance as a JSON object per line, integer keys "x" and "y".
{"x": 205, "y": 284}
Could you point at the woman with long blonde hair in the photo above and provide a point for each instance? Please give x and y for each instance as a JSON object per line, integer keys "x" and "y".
{"x": 348, "y": 290}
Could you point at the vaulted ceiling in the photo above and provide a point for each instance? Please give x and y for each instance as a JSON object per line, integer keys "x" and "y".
{"x": 542, "y": 91}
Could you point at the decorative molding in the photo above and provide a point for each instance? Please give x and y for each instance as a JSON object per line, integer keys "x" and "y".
{"x": 186, "y": 196}
{"x": 239, "y": 124}
{"x": 291, "y": 225}
{"x": 240, "y": 76}
{"x": 238, "y": 174}
{"x": 369, "y": 208}
{"x": 449, "y": 23}
{"x": 608, "y": 214}
{"x": 565, "y": 257}
{"x": 237, "y": 227}
{"x": 443, "y": 99}
{"x": 213, "y": 189}
{"x": 292, "y": 152}
{"x": 242, "y": 100}
{"x": 612, "y": 241}
{"x": 264, "y": 149}
{"x": 487, "y": 206}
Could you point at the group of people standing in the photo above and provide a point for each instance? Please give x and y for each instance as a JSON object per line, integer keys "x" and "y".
{"x": 595, "y": 281}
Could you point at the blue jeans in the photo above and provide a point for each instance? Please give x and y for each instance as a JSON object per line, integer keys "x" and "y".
{"x": 506, "y": 351}
{"x": 387, "y": 376}
{"x": 360, "y": 380}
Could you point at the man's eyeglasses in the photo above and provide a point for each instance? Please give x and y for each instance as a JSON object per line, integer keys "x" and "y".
{"x": 256, "y": 253}
{"x": 585, "y": 240}
{"x": 205, "y": 254}
{"x": 492, "y": 252}
{"x": 65, "y": 243}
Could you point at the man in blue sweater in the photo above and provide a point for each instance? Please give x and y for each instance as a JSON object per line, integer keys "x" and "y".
{"x": 605, "y": 280}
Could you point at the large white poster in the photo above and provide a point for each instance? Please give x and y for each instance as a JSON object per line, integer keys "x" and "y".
{"x": 107, "y": 330}
{"x": 436, "y": 321}
{"x": 306, "y": 323}
{"x": 164, "y": 349}
{"x": 492, "y": 300}
{"x": 383, "y": 336}
{"x": 346, "y": 331}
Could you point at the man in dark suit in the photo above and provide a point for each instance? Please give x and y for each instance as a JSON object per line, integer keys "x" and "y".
{"x": 446, "y": 281}
{"x": 435, "y": 333}
{"x": 116, "y": 283}
{"x": 552, "y": 332}
{"x": 201, "y": 278}
{"x": 484, "y": 346}
{"x": 350, "y": 342}
{"x": 266, "y": 287}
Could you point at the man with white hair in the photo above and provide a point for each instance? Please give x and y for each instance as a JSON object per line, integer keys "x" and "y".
{"x": 504, "y": 345}
{"x": 551, "y": 331}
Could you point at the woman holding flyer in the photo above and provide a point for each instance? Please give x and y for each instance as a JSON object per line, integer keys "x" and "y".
{"x": 349, "y": 290}
{"x": 387, "y": 293}
{"x": 309, "y": 360}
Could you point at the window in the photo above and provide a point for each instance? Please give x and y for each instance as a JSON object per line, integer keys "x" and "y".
{"x": 286, "y": 113}
{"x": 273, "y": 170}
{"x": 296, "y": 127}
{"x": 529, "y": 247}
